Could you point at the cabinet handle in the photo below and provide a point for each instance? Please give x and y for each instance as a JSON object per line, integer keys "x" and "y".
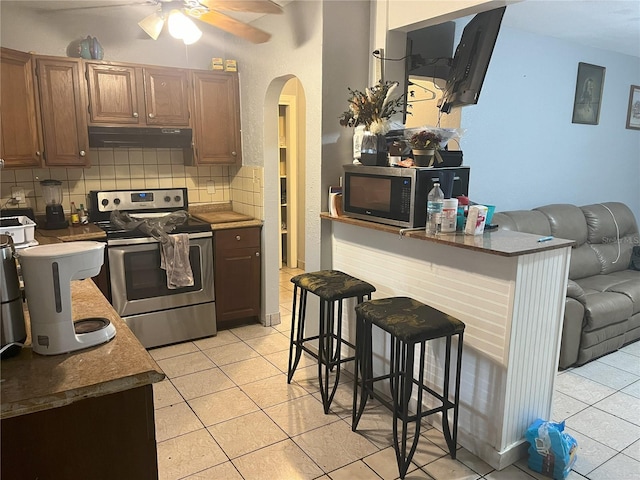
{"x": 38, "y": 153}
{"x": 234, "y": 153}
{"x": 238, "y": 237}
{"x": 257, "y": 254}
{"x": 82, "y": 153}
{"x": 135, "y": 114}
{"x": 151, "y": 115}
{"x": 1, "y": 162}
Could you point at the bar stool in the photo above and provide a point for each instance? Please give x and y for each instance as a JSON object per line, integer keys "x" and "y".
{"x": 332, "y": 287}
{"x": 409, "y": 323}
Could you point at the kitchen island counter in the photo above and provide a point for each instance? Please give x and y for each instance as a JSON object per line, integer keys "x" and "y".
{"x": 84, "y": 414}
{"x": 507, "y": 287}
{"x": 33, "y": 382}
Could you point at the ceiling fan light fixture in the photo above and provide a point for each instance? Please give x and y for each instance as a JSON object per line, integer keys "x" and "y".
{"x": 182, "y": 28}
{"x": 152, "y": 25}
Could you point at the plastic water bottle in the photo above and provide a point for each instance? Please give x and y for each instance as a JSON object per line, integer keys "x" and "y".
{"x": 435, "y": 200}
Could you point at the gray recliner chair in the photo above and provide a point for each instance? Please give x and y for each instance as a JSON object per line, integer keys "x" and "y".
{"x": 602, "y": 309}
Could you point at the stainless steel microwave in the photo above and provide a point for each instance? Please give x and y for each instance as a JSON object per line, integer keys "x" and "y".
{"x": 397, "y": 196}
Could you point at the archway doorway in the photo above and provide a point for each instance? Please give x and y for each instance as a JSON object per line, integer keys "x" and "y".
{"x": 291, "y": 189}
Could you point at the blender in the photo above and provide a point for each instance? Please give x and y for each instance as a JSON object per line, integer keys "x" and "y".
{"x": 54, "y": 213}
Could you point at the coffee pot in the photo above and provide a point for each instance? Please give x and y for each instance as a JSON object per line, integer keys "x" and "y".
{"x": 54, "y": 213}
{"x": 11, "y": 312}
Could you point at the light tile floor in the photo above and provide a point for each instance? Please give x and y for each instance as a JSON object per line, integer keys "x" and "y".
{"x": 226, "y": 412}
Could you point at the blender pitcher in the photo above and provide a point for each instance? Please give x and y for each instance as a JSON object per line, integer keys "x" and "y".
{"x": 54, "y": 213}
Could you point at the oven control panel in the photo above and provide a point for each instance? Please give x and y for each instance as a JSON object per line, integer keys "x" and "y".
{"x": 133, "y": 200}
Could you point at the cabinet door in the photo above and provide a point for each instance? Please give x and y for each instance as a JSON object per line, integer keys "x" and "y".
{"x": 237, "y": 274}
{"x": 19, "y": 115}
{"x": 166, "y": 96}
{"x": 216, "y": 109}
{"x": 113, "y": 94}
{"x": 63, "y": 107}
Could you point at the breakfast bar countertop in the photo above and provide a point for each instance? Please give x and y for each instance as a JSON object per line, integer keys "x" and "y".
{"x": 495, "y": 242}
{"x": 32, "y": 382}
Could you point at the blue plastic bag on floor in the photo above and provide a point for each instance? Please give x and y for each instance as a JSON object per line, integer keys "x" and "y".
{"x": 552, "y": 452}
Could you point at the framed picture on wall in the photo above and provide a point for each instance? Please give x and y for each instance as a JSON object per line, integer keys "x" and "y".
{"x": 633, "y": 114}
{"x": 589, "y": 85}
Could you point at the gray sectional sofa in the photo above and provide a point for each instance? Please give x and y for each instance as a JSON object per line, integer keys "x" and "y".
{"x": 602, "y": 310}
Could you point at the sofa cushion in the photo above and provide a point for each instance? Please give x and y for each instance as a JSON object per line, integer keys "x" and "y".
{"x": 631, "y": 289}
{"x": 566, "y": 221}
{"x": 606, "y": 308}
{"x": 612, "y": 234}
{"x": 625, "y": 283}
{"x": 526, "y": 221}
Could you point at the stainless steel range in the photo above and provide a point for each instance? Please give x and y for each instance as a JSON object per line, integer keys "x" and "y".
{"x": 156, "y": 314}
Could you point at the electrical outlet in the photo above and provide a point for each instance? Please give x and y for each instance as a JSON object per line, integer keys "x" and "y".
{"x": 17, "y": 193}
{"x": 211, "y": 187}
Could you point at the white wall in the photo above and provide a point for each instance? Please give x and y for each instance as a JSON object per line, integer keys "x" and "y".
{"x": 523, "y": 149}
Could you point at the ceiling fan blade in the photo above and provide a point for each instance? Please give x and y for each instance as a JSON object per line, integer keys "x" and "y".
{"x": 235, "y": 27}
{"x": 255, "y": 6}
{"x": 132, "y": 3}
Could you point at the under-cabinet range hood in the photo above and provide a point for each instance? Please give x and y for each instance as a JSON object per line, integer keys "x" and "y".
{"x": 133, "y": 137}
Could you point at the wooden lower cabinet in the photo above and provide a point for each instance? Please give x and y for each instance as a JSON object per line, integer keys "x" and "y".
{"x": 101, "y": 438}
{"x": 237, "y": 272}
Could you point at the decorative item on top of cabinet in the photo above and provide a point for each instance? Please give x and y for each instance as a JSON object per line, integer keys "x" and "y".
{"x": 216, "y": 118}
{"x": 63, "y": 106}
{"x": 237, "y": 275}
{"x": 137, "y": 95}
{"x": 21, "y": 144}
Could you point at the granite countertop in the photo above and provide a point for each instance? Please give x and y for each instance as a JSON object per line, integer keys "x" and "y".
{"x": 496, "y": 242}
{"x": 31, "y": 382}
{"x": 70, "y": 234}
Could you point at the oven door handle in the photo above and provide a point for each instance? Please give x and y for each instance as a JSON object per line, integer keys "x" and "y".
{"x": 139, "y": 241}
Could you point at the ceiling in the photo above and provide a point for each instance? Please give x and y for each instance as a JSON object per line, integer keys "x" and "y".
{"x": 612, "y": 25}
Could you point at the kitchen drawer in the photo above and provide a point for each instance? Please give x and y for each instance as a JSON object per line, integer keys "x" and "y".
{"x": 237, "y": 238}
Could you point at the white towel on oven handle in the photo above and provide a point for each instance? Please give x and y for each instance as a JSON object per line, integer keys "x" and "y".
{"x": 174, "y": 259}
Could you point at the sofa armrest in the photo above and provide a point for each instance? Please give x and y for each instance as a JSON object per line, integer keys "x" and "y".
{"x": 575, "y": 291}
{"x": 571, "y": 333}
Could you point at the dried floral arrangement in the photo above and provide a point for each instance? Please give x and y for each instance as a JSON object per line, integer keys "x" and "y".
{"x": 373, "y": 107}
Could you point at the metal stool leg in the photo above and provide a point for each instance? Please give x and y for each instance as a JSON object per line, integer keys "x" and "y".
{"x": 298, "y": 332}
{"x": 363, "y": 356}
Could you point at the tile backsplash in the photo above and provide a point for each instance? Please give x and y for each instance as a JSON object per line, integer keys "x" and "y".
{"x": 137, "y": 168}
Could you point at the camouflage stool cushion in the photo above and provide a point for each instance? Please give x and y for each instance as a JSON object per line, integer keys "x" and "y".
{"x": 409, "y": 320}
{"x": 331, "y": 285}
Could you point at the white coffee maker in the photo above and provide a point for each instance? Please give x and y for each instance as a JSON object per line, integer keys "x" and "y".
{"x": 47, "y": 271}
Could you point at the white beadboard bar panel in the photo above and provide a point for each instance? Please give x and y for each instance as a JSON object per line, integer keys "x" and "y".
{"x": 535, "y": 340}
{"x": 512, "y": 308}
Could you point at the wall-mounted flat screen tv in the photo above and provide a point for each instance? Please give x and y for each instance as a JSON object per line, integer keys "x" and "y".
{"x": 471, "y": 59}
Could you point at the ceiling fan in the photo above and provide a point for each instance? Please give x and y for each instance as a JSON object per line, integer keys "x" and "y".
{"x": 177, "y": 14}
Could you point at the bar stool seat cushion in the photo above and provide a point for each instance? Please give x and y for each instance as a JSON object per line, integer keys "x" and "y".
{"x": 331, "y": 285}
{"x": 409, "y": 320}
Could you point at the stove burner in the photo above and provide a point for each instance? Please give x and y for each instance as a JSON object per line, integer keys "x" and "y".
{"x": 92, "y": 324}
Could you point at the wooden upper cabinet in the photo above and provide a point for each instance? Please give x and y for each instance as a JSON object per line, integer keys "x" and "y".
{"x": 137, "y": 96}
{"x": 63, "y": 109}
{"x": 166, "y": 96}
{"x": 21, "y": 143}
{"x": 113, "y": 94}
{"x": 216, "y": 118}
